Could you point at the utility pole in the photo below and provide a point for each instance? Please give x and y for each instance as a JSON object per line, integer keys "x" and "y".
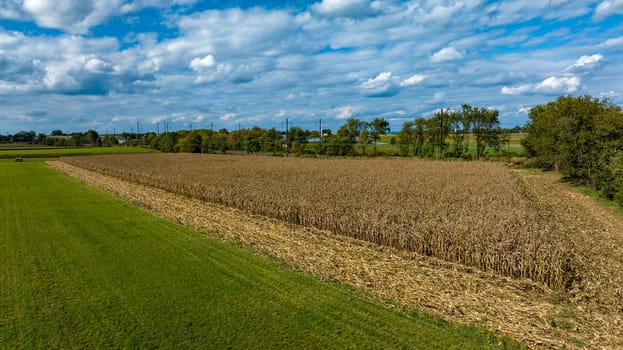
{"x": 239, "y": 138}
{"x": 287, "y": 141}
{"x": 158, "y": 128}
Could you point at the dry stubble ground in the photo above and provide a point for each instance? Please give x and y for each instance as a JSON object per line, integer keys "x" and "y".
{"x": 522, "y": 309}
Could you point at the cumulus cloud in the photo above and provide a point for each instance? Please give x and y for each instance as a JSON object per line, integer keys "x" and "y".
{"x": 346, "y": 112}
{"x": 447, "y": 54}
{"x": 72, "y": 16}
{"x": 608, "y": 8}
{"x": 551, "y": 85}
{"x": 585, "y": 63}
{"x": 413, "y": 80}
{"x": 95, "y": 65}
{"x": 557, "y": 85}
{"x": 383, "y": 85}
{"x": 346, "y": 8}
{"x": 200, "y": 64}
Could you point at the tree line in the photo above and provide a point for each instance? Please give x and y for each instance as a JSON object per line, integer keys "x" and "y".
{"x": 60, "y": 139}
{"x": 450, "y": 133}
{"x": 582, "y": 137}
{"x": 446, "y": 134}
{"x": 294, "y": 141}
{"x": 468, "y": 133}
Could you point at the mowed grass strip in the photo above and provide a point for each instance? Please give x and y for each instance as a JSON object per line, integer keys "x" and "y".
{"x": 83, "y": 269}
{"x": 51, "y": 152}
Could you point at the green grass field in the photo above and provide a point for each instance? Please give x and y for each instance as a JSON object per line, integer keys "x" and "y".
{"x": 52, "y": 152}
{"x": 83, "y": 269}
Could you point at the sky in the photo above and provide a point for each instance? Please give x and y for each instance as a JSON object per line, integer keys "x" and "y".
{"x": 111, "y": 65}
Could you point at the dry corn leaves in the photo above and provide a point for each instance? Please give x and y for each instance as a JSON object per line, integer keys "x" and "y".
{"x": 520, "y": 308}
{"x": 475, "y": 214}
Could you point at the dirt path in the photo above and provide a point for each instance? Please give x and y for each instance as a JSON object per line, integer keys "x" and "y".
{"x": 521, "y": 309}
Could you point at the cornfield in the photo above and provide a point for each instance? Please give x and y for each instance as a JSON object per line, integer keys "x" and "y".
{"x": 473, "y": 213}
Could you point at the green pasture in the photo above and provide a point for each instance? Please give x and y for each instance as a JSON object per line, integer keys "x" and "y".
{"x": 51, "y": 152}
{"x": 80, "y": 268}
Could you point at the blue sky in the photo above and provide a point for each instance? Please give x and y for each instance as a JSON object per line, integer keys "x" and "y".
{"x": 110, "y": 64}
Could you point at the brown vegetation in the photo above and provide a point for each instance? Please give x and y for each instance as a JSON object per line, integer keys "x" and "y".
{"x": 471, "y": 213}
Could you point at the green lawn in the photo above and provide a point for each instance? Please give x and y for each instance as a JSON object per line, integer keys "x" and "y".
{"x": 51, "y": 152}
{"x": 82, "y": 269}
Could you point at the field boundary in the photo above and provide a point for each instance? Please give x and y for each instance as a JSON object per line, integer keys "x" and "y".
{"x": 521, "y": 309}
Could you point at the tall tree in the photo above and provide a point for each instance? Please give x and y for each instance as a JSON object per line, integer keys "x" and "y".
{"x": 576, "y": 135}
{"x": 378, "y": 127}
{"x": 405, "y": 138}
{"x": 485, "y": 126}
{"x": 439, "y": 129}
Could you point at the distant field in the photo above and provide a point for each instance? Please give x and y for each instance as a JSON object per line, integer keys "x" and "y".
{"x": 48, "y": 152}
{"x": 83, "y": 269}
{"x": 513, "y": 145}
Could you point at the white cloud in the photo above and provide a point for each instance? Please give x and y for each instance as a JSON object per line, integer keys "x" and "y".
{"x": 413, "y": 80}
{"x": 346, "y": 112}
{"x": 227, "y": 116}
{"x": 200, "y": 64}
{"x": 525, "y": 110}
{"x": 610, "y": 94}
{"x": 585, "y": 63}
{"x": 551, "y": 85}
{"x": 557, "y": 85}
{"x": 608, "y": 8}
{"x": 95, "y": 65}
{"x": 612, "y": 42}
{"x": 383, "y": 85}
{"x": 346, "y": 8}
{"x": 447, "y": 54}
{"x": 517, "y": 90}
{"x": 72, "y": 16}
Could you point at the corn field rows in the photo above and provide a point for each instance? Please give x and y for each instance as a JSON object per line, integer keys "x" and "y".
{"x": 472, "y": 213}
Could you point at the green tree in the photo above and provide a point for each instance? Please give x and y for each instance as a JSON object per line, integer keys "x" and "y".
{"x": 438, "y": 128}
{"x": 91, "y": 137}
{"x": 485, "y": 126}
{"x": 405, "y": 138}
{"x": 346, "y": 137}
{"x": 575, "y": 135}
{"x": 25, "y": 136}
{"x": 190, "y": 143}
{"x": 165, "y": 142}
{"x": 378, "y": 127}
